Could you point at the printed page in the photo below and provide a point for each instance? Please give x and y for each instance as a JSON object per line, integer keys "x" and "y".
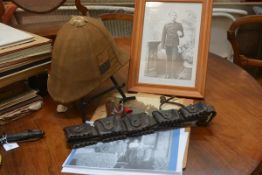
{"x": 157, "y": 153}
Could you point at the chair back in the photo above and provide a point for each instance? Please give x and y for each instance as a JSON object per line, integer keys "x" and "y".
{"x": 245, "y": 36}
{"x": 119, "y": 24}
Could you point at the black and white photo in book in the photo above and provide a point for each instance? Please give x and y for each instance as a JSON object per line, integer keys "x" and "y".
{"x": 158, "y": 153}
{"x": 170, "y": 43}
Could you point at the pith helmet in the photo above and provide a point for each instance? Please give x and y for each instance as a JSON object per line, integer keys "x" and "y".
{"x": 84, "y": 55}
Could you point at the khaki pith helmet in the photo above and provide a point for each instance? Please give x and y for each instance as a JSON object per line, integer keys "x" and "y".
{"x": 84, "y": 55}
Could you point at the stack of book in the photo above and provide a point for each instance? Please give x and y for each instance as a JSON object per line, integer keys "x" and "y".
{"x": 18, "y": 100}
{"x": 21, "y": 54}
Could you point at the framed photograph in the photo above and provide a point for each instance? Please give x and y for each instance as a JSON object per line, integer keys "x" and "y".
{"x": 169, "y": 48}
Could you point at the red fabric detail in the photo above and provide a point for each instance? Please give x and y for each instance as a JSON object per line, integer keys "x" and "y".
{"x": 127, "y": 110}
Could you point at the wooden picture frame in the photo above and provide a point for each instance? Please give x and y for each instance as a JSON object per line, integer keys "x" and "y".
{"x": 169, "y": 48}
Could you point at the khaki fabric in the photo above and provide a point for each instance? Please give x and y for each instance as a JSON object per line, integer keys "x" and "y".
{"x": 84, "y": 55}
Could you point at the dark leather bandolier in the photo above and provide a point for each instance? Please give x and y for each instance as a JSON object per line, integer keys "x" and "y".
{"x": 116, "y": 128}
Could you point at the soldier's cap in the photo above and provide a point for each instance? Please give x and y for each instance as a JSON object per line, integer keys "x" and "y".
{"x": 84, "y": 55}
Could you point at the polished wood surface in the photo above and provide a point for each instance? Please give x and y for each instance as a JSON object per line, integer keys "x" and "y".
{"x": 232, "y": 144}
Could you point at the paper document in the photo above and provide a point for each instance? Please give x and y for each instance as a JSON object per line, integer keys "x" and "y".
{"x": 11, "y": 36}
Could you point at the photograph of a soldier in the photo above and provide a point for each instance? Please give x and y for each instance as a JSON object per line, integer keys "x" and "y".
{"x": 171, "y": 34}
{"x": 170, "y": 43}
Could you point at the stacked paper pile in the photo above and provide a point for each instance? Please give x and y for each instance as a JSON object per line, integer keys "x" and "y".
{"x": 16, "y": 101}
{"x": 21, "y": 51}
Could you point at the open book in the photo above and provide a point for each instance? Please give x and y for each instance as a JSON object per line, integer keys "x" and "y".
{"x": 160, "y": 153}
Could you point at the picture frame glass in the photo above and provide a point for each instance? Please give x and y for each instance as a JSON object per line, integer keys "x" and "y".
{"x": 170, "y": 43}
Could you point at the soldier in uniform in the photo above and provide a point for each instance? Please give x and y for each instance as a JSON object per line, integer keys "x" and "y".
{"x": 171, "y": 33}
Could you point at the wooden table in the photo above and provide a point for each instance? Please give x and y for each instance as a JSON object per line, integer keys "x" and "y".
{"x": 232, "y": 144}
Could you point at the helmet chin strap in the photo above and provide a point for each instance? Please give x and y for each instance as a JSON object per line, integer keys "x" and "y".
{"x": 84, "y": 102}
